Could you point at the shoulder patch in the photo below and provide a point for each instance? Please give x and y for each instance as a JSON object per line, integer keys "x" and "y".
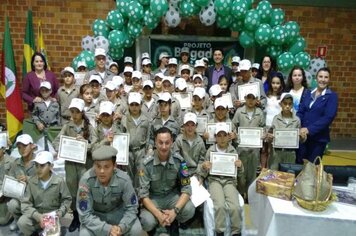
{"x": 133, "y": 199}
{"x": 147, "y": 160}
{"x": 83, "y": 205}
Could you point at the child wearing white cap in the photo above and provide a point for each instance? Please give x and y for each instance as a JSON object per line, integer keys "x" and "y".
{"x": 189, "y": 144}
{"x": 21, "y": 169}
{"x": 176, "y": 111}
{"x": 46, "y": 114}
{"x": 162, "y": 63}
{"x": 5, "y": 165}
{"x": 184, "y": 60}
{"x": 80, "y": 128}
{"x": 223, "y": 189}
{"x": 136, "y": 82}
{"x": 249, "y": 116}
{"x": 138, "y": 126}
{"x": 86, "y": 94}
{"x": 149, "y": 105}
{"x": 66, "y": 93}
{"x": 198, "y": 106}
{"x": 45, "y": 192}
{"x": 82, "y": 67}
{"x": 96, "y": 83}
{"x": 114, "y": 68}
{"x": 158, "y": 87}
{"x": 147, "y": 70}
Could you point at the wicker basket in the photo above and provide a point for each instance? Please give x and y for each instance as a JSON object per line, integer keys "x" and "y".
{"x": 316, "y": 205}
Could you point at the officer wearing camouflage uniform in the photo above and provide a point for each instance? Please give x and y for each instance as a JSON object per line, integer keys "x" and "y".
{"x": 165, "y": 187}
{"x": 106, "y": 200}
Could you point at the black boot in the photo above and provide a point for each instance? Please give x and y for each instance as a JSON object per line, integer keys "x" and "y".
{"x": 75, "y": 222}
{"x": 152, "y": 232}
{"x": 219, "y": 234}
{"x": 173, "y": 229}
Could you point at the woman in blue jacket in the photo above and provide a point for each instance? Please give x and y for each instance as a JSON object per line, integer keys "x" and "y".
{"x": 316, "y": 113}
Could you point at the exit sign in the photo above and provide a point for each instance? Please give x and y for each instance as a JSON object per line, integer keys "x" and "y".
{"x": 321, "y": 51}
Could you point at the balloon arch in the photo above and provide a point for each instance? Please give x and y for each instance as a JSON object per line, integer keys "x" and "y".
{"x": 262, "y": 26}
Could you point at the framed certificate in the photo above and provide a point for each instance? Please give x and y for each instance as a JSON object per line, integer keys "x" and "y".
{"x": 210, "y": 127}
{"x": 72, "y": 149}
{"x": 245, "y": 89}
{"x": 4, "y": 136}
{"x": 223, "y": 164}
{"x": 92, "y": 118}
{"x": 184, "y": 99}
{"x": 228, "y": 100}
{"x": 286, "y": 138}
{"x": 250, "y": 137}
{"x": 13, "y": 188}
{"x": 121, "y": 142}
{"x": 79, "y": 78}
{"x": 201, "y": 124}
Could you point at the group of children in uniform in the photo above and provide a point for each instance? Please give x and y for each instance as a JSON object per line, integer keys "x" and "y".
{"x": 139, "y": 103}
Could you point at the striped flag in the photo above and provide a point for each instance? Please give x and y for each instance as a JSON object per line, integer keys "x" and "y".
{"x": 10, "y": 86}
{"x": 29, "y": 45}
{"x": 40, "y": 44}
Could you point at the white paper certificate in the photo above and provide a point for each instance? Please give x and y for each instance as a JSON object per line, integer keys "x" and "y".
{"x": 72, "y": 149}
{"x": 92, "y": 118}
{"x": 79, "y": 78}
{"x": 228, "y": 100}
{"x": 201, "y": 126}
{"x": 250, "y": 137}
{"x": 286, "y": 138}
{"x": 4, "y": 136}
{"x": 223, "y": 164}
{"x": 121, "y": 142}
{"x": 245, "y": 89}
{"x": 184, "y": 99}
{"x": 210, "y": 127}
{"x": 13, "y": 188}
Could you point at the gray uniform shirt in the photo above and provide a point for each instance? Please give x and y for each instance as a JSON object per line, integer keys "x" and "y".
{"x": 64, "y": 99}
{"x": 171, "y": 124}
{"x": 279, "y": 122}
{"x": 100, "y": 207}
{"x": 139, "y": 134}
{"x": 107, "y": 76}
{"x": 37, "y": 200}
{"x": 46, "y": 115}
{"x": 242, "y": 119}
{"x": 262, "y": 98}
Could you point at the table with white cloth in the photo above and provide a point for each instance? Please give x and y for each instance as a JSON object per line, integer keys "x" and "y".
{"x": 274, "y": 217}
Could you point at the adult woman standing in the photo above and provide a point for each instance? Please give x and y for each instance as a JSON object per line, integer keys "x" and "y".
{"x": 31, "y": 82}
{"x": 316, "y": 113}
{"x": 266, "y": 69}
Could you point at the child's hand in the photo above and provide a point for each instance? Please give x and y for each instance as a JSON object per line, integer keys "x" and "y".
{"x": 37, "y": 99}
{"x": 232, "y": 136}
{"x": 53, "y": 99}
{"x": 258, "y": 102}
{"x": 237, "y": 103}
{"x": 206, "y": 165}
{"x": 110, "y": 137}
{"x": 42, "y": 222}
{"x": 117, "y": 116}
{"x": 205, "y": 136}
{"x": 40, "y": 126}
{"x": 238, "y": 163}
{"x": 79, "y": 137}
{"x": 269, "y": 137}
{"x": 22, "y": 178}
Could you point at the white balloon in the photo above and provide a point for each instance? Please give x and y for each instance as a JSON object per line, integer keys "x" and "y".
{"x": 88, "y": 43}
{"x": 315, "y": 65}
{"x": 172, "y": 17}
{"x": 174, "y": 1}
{"x": 101, "y": 42}
{"x": 207, "y": 14}
{"x": 108, "y": 61}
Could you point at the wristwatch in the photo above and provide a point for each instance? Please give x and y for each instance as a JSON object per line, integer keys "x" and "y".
{"x": 176, "y": 210}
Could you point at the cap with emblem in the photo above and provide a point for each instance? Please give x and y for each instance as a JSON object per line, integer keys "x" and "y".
{"x": 236, "y": 59}
{"x": 46, "y": 84}
{"x": 104, "y": 153}
{"x": 110, "y": 85}
{"x": 113, "y": 64}
{"x": 285, "y": 96}
{"x": 215, "y": 90}
{"x": 168, "y": 78}
{"x": 128, "y": 60}
{"x": 43, "y": 157}
{"x": 77, "y": 103}
{"x": 118, "y": 80}
{"x": 184, "y": 50}
{"x": 164, "y": 97}
{"x": 190, "y": 117}
{"x": 128, "y": 69}
{"x": 147, "y": 83}
{"x": 221, "y": 126}
{"x": 145, "y": 55}
{"x": 256, "y": 66}
{"x": 197, "y": 76}
{"x": 244, "y": 65}
{"x": 199, "y": 63}
{"x": 136, "y": 74}
{"x": 163, "y": 55}
{"x": 220, "y": 102}
{"x": 159, "y": 75}
{"x": 185, "y": 67}
{"x": 146, "y": 62}
{"x": 24, "y": 139}
{"x": 172, "y": 61}
{"x": 181, "y": 84}
{"x": 82, "y": 63}
{"x": 200, "y": 92}
{"x": 68, "y": 69}
{"x": 134, "y": 98}
{"x": 106, "y": 107}
{"x": 100, "y": 52}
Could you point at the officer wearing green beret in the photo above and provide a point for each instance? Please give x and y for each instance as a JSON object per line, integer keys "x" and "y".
{"x": 165, "y": 187}
{"x": 106, "y": 200}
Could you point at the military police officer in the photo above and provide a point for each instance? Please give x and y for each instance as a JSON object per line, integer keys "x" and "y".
{"x": 106, "y": 201}
{"x": 165, "y": 199}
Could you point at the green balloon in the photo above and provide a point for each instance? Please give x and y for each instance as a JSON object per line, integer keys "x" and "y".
{"x": 274, "y": 51}
{"x": 302, "y": 59}
{"x": 100, "y": 28}
{"x": 285, "y": 61}
{"x": 201, "y": 3}
{"x": 116, "y": 53}
{"x": 247, "y": 39}
{"x": 144, "y": 2}
{"x": 159, "y": 7}
{"x": 75, "y": 62}
{"x": 277, "y": 17}
{"x": 134, "y": 29}
{"x": 264, "y": 9}
{"x": 239, "y": 9}
{"x": 88, "y": 57}
{"x": 298, "y": 46}
{"x": 249, "y": 4}
{"x": 150, "y": 21}
{"x": 263, "y": 34}
{"x": 128, "y": 41}
{"x": 123, "y": 7}
{"x": 237, "y": 25}
{"x": 135, "y": 11}
{"x": 252, "y": 20}
{"x": 116, "y": 38}
{"x": 278, "y": 35}
{"x": 188, "y": 8}
{"x": 293, "y": 31}
{"x": 223, "y": 22}
{"x": 115, "y": 20}
{"x": 223, "y": 7}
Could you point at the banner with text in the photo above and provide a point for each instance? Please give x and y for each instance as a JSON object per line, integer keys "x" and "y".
{"x": 198, "y": 49}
